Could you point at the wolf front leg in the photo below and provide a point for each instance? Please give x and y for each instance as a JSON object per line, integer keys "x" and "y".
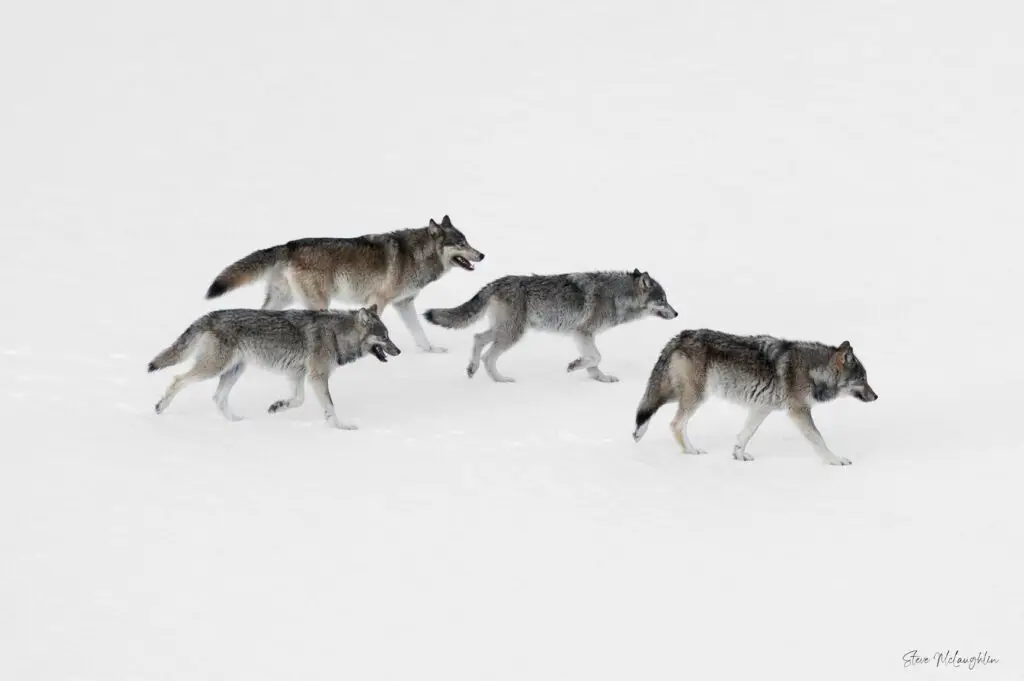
{"x": 318, "y": 380}
{"x": 407, "y": 311}
{"x": 805, "y": 424}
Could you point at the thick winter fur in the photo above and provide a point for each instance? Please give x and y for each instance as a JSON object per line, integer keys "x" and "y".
{"x": 581, "y": 304}
{"x": 763, "y": 373}
{"x": 373, "y": 269}
{"x": 299, "y": 343}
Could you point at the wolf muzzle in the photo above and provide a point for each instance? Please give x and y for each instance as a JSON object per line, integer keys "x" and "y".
{"x": 866, "y": 394}
{"x": 464, "y": 259}
{"x": 381, "y": 351}
{"x": 667, "y": 312}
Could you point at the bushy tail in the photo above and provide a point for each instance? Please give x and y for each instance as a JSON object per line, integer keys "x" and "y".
{"x": 180, "y": 348}
{"x": 246, "y": 270}
{"x": 463, "y": 315}
{"x": 658, "y": 392}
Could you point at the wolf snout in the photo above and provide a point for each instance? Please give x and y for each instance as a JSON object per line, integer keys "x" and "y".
{"x": 668, "y": 313}
{"x": 866, "y": 394}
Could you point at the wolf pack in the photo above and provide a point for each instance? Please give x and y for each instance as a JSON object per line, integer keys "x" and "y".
{"x": 763, "y": 373}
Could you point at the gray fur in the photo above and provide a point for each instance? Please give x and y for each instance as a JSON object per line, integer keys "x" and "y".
{"x": 581, "y": 304}
{"x": 763, "y": 373}
{"x": 299, "y": 343}
{"x": 373, "y": 269}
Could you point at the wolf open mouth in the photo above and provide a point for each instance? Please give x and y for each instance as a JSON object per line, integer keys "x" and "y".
{"x": 378, "y": 352}
{"x": 462, "y": 262}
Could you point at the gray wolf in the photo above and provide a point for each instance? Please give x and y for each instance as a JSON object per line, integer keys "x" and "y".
{"x": 581, "y": 304}
{"x": 299, "y": 343}
{"x": 373, "y": 269}
{"x": 762, "y": 373}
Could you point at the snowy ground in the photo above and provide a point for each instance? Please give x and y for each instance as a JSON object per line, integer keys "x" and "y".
{"x": 818, "y": 170}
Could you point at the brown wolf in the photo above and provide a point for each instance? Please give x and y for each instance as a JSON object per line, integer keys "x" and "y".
{"x": 373, "y": 269}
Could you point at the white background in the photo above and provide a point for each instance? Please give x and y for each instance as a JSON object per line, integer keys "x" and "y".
{"x": 814, "y": 170}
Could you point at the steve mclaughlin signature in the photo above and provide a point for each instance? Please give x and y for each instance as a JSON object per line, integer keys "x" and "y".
{"x": 949, "y": 658}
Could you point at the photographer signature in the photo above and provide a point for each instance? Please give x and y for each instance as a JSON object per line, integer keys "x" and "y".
{"x": 949, "y": 658}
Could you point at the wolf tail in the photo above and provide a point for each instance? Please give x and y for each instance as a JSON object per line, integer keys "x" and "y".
{"x": 247, "y": 270}
{"x": 463, "y": 315}
{"x": 180, "y": 348}
{"x": 658, "y": 392}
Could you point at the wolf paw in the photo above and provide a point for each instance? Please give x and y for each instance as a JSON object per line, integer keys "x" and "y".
{"x": 741, "y": 455}
{"x": 471, "y": 370}
{"x": 159, "y": 408}
{"x": 434, "y": 350}
{"x": 574, "y": 365}
{"x": 280, "y": 405}
{"x": 839, "y": 461}
{"x": 694, "y": 451}
{"x": 605, "y": 378}
{"x": 503, "y": 379}
{"x": 342, "y": 425}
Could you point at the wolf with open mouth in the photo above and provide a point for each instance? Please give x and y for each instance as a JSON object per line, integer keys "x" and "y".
{"x": 373, "y": 269}
{"x": 303, "y": 344}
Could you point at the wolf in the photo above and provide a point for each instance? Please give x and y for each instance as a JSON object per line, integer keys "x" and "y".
{"x": 373, "y": 269}
{"x": 300, "y": 343}
{"x": 763, "y": 373}
{"x": 581, "y": 304}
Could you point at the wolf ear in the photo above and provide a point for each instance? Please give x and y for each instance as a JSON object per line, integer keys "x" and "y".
{"x": 373, "y": 309}
{"x": 433, "y": 228}
{"x": 363, "y": 315}
{"x": 446, "y": 221}
{"x": 843, "y": 354}
{"x": 636, "y": 273}
{"x": 644, "y": 282}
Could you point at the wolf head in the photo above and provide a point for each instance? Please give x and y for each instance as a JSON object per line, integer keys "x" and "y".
{"x": 374, "y": 335}
{"x": 452, "y": 244}
{"x": 652, "y": 295}
{"x": 853, "y": 377}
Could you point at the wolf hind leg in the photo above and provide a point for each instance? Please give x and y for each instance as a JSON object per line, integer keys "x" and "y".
{"x": 805, "y": 424}
{"x": 279, "y": 293}
{"x": 210, "y": 361}
{"x": 498, "y": 348}
{"x": 298, "y": 380}
{"x": 480, "y": 341}
{"x": 509, "y": 326}
{"x": 315, "y": 300}
{"x": 755, "y": 417}
{"x": 688, "y": 405}
{"x": 224, "y": 386}
{"x": 590, "y": 358}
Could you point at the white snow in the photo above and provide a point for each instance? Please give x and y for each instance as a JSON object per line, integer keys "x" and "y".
{"x": 814, "y": 170}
